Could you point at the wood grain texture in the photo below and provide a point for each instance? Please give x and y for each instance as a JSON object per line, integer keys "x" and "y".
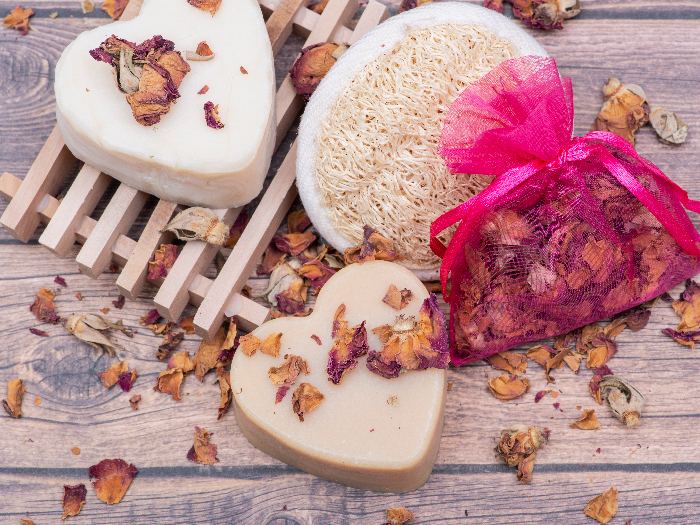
{"x": 654, "y": 467}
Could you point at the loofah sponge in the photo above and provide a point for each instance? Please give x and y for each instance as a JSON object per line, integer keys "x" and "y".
{"x": 368, "y": 138}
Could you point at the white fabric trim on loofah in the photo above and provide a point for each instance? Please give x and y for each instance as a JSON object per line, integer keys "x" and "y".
{"x": 366, "y": 50}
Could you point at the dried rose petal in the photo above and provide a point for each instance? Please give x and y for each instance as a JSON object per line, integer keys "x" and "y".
{"x": 306, "y": 398}
{"x": 298, "y": 221}
{"x": 294, "y": 243}
{"x": 317, "y": 339}
{"x": 374, "y": 247}
{"x": 587, "y": 421}
{"x": 685, "y": 338}
{"x": 170, "y": 342}
{"x": 73, "y": 499}
{"x": 512, "y": 362}
{"x": 398, "y": 300}
{"x": 151, "y": 317}
{"x": 292, "y": 299}
{"x": 317, "y": 272}
{"x": 19, "y": 19}
{"x": 377, "y": 366}
{"x": 599, "y": 375}
{"x": 114, "y": 8}
{"x": 202, "y": 451}
{"x": 237, "y": 229}
{"x": 169, "y": 382}
{"x": 38, "y": 332}
{"x": 208, "y": 352}
{"x": 287, "y": 372}
{"x": 15, "y": 393}
{"x": 507, "y": 387}
{"x": 110, "y": 376}
{"x": 249, "y": 344}
{"x": 43, "y": 306}
{"x": 518, "y": 446}
{"x": 272, "y": 258}
{"x": 126, "y": 380}
{"x": 398, "y": 516}
{"x": 211, "y": 115}
{"x": 210, "y": 6}
{"x": 182, "y": 361}
{"x": 224, "y": 379}
{"x": 603, "y": 507}
{"x": 135, "y": 399}
{"x": 187, "y": 324}
{"x": 281, "y": 392}
{"x": 204, "y": 90}
{"x": 271, "y": 344}
{"x": 164, "y": 258}
{"x": 111, "y": 479}
{"x": 318, "y": 7}
{"x": 347, "y": 348}
{"x": 312, "y": 65}
{"x": 60, "y": 280}
{"x": 407, "y": 5}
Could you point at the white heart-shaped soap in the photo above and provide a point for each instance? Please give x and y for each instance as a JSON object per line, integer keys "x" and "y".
{"x": 179, "y": 159}
{"x": 368, "y": 432}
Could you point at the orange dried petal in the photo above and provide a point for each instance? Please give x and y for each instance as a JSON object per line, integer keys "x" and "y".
{"x": 111, "y": 479}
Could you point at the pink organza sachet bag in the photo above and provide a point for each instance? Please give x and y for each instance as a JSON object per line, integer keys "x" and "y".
{"x": 571, "y": 230}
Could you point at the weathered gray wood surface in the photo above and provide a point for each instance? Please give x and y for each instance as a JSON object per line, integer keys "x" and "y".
{"x": 656, "y": 468}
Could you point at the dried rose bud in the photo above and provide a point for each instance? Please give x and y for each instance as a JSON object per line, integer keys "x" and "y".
{"x": 668, "y": 126}
{"x": 198, "y": 224}
{"x": 211, "y": 115}
{"x": 540, "y": 14}
{"x": 625, "y": 110}
{"x": 313, "y": 64}
{"x": 518, "y": 446}
{"x": 626, "y": 401}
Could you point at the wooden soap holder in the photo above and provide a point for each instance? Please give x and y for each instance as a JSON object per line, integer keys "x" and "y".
{"x": 32, "y": 200}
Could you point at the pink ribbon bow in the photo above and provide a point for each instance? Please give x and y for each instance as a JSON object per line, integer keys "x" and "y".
{"x": 517, "y": 121}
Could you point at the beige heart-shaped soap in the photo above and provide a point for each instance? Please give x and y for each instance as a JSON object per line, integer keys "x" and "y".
{"x": 368, "y": 432}
{"x": 180, "y": 158}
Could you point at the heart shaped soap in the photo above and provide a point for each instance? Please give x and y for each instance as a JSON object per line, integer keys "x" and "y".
{"x": 181, "y": 158}
{"x": 368, "y": 431}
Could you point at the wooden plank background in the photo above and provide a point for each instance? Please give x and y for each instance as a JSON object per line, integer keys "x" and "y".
{"x": 656, "y": 467}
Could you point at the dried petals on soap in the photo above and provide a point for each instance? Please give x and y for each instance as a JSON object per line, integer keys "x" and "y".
{"x": 249, "y": 344}
{"x": 114, "y": 8}
{"x": 281, "y": 392}
{"x": 168, "y": 382}
{"x": 224, "y": 379}
{"x": 625, "y": 110}
{"x": 398, "y": 300}
{"x": 587, "y": 421}
{"x": 43, "y": 306}
{"x": 202, "y": 54}
{"x": 626, "y": 401}
{"x": 204, "y": 90}
{"x": 170, "y": 342}
{"x": 512, "y": 362}
{"x": 73, "y": 499}
{"x": 110, "y": 376}
{"x": 407, "y": 5}
{"x": 210, "y": 6}
{"x": 15, "y": 393}
{"x": 306, "y": 398}
{"x": 313, "y": 64}
{"x": 668, "y": 126}
{"x": 19, "y": 19}
{"x": 398, "y": 516}
{"x": 211, "y": 115}
{"x": 540, "y": 14}
{"x": 518, "y": 447}
{"x": 287, "y": 372}
{"x": 271, "y": 344}
{"x": 198, "y": 224}
{"x": 507, "y": 387}
{"x": 111, "y": 479}
{"x": 411, "y": 344}
{"x": 603, "y": 507}
{"x": 89, "y": 328}
{"x": 163, "y": 260}
{"x": 348, "y": 346}
{"x": 373, "y": 247}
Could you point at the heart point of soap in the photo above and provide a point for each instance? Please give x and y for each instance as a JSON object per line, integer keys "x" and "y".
{"x": 180, "y": 159}
{"x": 369, "y": 432}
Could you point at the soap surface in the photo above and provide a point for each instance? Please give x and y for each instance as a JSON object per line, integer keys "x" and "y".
{"x": 180, "y": 159}
{"x": 368, "y": 432}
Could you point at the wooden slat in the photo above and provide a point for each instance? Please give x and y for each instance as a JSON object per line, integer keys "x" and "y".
{"x": 279, "y": 25}
{"x": 194, "y": 259}
{"x": 82, "y": 197}
{"x": 337, "y": 14}
{"x": 45, "y": 177}
{"x": 255, "y": 238}
{"x": 133, "y": 275}
{"x": 117, "y": 218}
{"x": 373, "y": 15}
